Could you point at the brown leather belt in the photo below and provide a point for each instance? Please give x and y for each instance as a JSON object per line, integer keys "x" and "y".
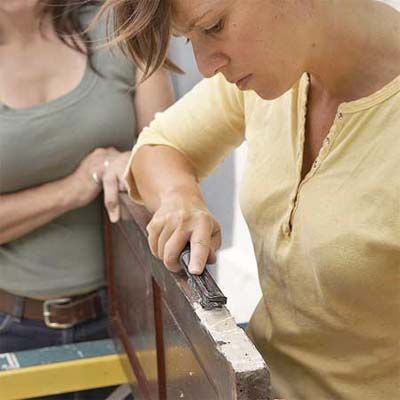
{"x": 56, "y": 313}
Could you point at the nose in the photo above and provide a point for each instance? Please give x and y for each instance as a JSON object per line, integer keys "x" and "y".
{"x": 210, "y": 60}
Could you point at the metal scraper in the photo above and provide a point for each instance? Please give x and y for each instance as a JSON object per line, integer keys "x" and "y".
{"x": 209, "y": 293}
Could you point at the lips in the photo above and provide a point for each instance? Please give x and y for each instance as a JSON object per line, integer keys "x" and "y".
{"x": 243, "y": 82}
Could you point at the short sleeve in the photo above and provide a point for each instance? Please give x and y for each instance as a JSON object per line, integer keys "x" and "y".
{"x": 205, "y": 125}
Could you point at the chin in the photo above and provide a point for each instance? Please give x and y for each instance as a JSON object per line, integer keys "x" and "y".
{"x": 271, "y": 92}
{"x": 268, "y": 94}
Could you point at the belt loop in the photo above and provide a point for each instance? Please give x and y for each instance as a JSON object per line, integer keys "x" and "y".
{"x": 102, "y": 293}
{"x": 6, "y": 322}
{"x": 19, "y": 306}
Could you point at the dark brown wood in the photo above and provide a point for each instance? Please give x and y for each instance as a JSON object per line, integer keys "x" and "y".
{"x": 116, "y": 325}
{"x": 177, "y": 349}
{"x": 109, "y": 265}
{"x": 129, "y": 348}
{"x": 162, "y": 378}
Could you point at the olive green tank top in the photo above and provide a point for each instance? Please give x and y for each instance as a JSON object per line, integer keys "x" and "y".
{"x": 47, "y": 142}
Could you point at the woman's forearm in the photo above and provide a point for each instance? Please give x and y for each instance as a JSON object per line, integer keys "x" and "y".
{"x": 169, "y": 188}
{"x": 162, "y": 172}
{"x": 24, "y": 211}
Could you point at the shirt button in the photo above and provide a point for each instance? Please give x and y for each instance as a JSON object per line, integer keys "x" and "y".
{"x": 286, "y": 230}
{"x": 340, "y": 115}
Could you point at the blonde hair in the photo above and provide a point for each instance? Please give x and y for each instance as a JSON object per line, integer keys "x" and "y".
{"x": 141, "y": 28}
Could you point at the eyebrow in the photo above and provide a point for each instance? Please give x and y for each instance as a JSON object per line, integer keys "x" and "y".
{"x": 195, "y": 20}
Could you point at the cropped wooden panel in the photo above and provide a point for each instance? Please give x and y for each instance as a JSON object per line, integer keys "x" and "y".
{"x": 176, "y": 349}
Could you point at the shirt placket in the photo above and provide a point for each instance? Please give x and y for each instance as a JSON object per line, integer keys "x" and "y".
{"x": 323, "y": 152}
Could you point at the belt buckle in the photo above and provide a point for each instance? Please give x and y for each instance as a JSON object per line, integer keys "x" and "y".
{"x": 47, "y": 313}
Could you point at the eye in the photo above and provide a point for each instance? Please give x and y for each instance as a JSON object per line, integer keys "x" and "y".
{"x": 215, "y": 28}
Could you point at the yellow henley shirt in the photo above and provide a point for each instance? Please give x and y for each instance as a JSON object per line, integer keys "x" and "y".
{"x": 327, "y": 246}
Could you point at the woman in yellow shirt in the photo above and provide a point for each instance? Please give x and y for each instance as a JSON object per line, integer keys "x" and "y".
{"x": 314, "y": 88}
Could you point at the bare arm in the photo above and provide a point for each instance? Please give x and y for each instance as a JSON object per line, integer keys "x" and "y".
{"x": 205, "y": 126}
{"x": 168, "y": 185}
{"x": 153, "y": 95}
{"x": 26, "y": 210}
{"x": 162, "y": 171}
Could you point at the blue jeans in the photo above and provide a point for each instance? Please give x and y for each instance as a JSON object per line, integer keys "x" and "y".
{"x": 18, "y": 334}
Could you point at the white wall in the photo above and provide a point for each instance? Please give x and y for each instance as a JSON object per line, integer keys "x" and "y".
{"x": 393, "y": 3}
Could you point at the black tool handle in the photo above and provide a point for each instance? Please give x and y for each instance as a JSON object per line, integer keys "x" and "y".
{"x": 210, "y": 294}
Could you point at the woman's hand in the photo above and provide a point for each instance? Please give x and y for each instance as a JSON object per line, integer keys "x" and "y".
{"x": 102, "y": 169}
{"x": 181, "y": 219}
{"x": 113, "y": 183}
{"x": 24, "y": 211}
{"x": 85, "y": 183}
